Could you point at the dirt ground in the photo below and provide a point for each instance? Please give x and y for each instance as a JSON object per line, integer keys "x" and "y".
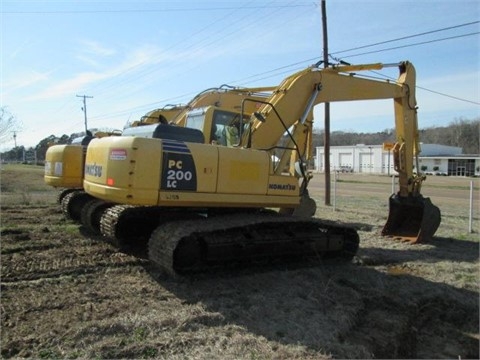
{"x": 68, "y": 294}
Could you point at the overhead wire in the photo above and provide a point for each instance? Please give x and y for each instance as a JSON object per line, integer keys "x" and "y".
{"x": 275, "y": 72}
{"x": 392, "y": 48}
{"x": 449, "y": 96}
{"x": 360, "y": 47}
{"x": 200, "y": 46}
{"x": 269, "y": 73}
{"x": 182, "y": 42}
{"x": 113, "y": 11}
{"x": 135, "y": 75}
{"x": 407, "y": 37}
{"x": 414, "y": 44}
{"x": 253, "y": 9}
{"x": 251, "y": 21}
{"x": 383, "y": 76}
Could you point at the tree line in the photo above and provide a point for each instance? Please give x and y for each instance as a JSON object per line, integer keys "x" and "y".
{"x": 462, "y": 133}
{"x": 16, "y": 153}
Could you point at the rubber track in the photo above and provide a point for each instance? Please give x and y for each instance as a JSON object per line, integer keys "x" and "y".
{"x": 265, "y": 234}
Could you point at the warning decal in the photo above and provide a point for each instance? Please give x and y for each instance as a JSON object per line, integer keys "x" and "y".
{"x": 118, "y": 154}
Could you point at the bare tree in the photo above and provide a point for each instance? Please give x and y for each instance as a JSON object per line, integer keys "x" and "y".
{"x": 8, "y": 124}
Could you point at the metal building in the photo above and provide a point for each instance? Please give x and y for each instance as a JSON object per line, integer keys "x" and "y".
{"x": 434, "y": 159}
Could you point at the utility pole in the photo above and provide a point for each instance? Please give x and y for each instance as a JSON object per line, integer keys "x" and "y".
{"x": 85, "y": 108}
{"x": 326, "y": 146}
{"x": 15, "y": 141}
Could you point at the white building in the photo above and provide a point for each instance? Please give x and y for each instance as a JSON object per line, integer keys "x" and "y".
{"x": 433, "y": 159}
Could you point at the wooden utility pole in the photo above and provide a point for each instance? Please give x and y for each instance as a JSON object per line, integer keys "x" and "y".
{"x": 15, "y": 137}
{"x": 85, "y": 108}
{"x": 326, "y": 146}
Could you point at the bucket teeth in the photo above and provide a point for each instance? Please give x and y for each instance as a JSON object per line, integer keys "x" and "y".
{"x": 412, "y": 219}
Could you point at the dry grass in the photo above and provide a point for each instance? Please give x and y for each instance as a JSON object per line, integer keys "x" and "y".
{"x": 68, "y": 295}
{"x": 23, "y": 184}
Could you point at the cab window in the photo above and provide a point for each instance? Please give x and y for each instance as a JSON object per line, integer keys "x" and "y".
{"x": 225, "y": 128}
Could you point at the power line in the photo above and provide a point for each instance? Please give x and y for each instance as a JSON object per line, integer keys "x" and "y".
{"x": 369, "y": 45}
{"x": 407, "y": 37}
{"x": 205, "y": 42}
{"x": 276, "y": 73}
{"x": 130, "y": 71}
{"x": 361, "y": 47}
{"x": 258, "y": 77}
{"x": 429, "y": 90}
{"x": 414, "y": 44}
{"x": 198, "y": 9}
{"x": 449, "y": 96}
{"x": 196, "y": 46}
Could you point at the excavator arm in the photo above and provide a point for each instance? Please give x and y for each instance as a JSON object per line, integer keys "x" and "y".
{"x": 411, "y": 217}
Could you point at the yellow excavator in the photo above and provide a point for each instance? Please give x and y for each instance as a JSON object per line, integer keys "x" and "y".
{"x": 64, "y": 164}
{"x": 227, "y": 186}
{"x": 162, "y": 115}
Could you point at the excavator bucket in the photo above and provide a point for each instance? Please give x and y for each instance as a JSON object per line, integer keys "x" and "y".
{"x": 412, "y": 219}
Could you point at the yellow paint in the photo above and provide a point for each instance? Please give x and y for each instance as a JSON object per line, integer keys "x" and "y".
{"x": 64, "y": 166}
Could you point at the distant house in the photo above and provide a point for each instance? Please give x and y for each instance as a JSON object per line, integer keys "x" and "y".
{"x": 434, "y": 159}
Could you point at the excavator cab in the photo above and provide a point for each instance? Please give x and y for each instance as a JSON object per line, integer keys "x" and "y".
{"x": 221, "y": 126}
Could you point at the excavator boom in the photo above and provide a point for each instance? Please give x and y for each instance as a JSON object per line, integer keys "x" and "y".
{"x": 411, "y": 217}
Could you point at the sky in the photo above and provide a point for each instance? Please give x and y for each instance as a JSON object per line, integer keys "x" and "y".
{"x": 131, "y": 57}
